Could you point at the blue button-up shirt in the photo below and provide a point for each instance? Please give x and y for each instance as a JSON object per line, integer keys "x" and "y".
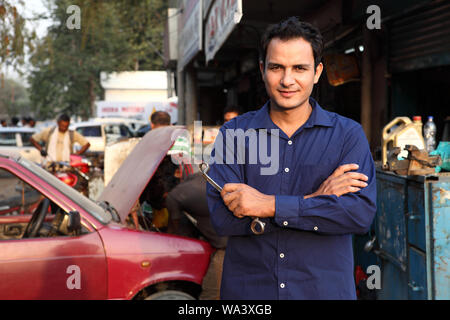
{"x": 306, "y": 249}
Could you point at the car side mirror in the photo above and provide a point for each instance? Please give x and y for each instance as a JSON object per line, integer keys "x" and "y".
{"x": 74, "y": 223}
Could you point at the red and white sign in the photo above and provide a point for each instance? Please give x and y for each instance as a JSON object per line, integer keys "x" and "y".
{"x": 224, "y": 15}
{"x": 138, "y": 110}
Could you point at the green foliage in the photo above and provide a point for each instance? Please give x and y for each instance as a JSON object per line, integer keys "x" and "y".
{"x": 14, "y": 99}
{"x": 12, "y": 35}
{"x": 144, "y": 22}
{"x": 114, "y": 36}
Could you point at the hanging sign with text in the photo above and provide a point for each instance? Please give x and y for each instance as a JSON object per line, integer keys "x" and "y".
{"x": 223, "y": 17}
{"x": 190, "y": 42}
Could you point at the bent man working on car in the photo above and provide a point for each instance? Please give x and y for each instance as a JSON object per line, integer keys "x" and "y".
{"x": 313, "y": 202}
{"x": 189, "y": 197}
{"x": 58, "y": 141}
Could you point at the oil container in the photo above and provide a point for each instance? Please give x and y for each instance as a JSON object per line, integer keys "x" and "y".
{"x": 400, "y": 132}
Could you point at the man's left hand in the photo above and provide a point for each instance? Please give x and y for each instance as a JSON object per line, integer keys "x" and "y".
{"x": 244, "y": 200}
{"x": 83, "y": 149}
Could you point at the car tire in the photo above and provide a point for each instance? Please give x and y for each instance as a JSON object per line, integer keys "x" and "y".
{"x": 170, "y": 295}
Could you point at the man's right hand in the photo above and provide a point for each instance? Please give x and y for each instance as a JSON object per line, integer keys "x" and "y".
{"x": 44, "y": 153}
{"x": 341, "y": 182}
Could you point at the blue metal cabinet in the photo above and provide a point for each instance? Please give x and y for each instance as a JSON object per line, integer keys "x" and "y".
{"x": 417, "y": 284}
{"x": 437, "y": 203}
{"x": 416, "y": 215}
{"x": 412, "y": 226}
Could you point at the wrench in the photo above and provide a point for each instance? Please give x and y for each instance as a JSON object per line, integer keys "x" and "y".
{"x": 204, "y": 168}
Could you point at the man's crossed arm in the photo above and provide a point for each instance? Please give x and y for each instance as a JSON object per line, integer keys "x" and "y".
{"x": 244, "y": 200}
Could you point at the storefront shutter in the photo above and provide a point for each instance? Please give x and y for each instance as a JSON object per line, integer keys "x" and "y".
{"x": 420, "y": 39}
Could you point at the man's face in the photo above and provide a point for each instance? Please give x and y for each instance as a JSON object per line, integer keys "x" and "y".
{"x": 229, "y": 115}
{"x": 63, "y": 126}
{"x": 289, "y": 73}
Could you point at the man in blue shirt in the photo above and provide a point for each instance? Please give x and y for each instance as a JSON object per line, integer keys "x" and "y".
{"x": 307, "y": 192}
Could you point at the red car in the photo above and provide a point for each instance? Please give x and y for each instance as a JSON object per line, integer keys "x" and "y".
{"x": 57, "y": 244}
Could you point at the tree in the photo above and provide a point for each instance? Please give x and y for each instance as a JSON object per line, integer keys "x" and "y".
{"x": 14, "y": 99}
{"x": 113, "y": 36}
{"x": 144, "y": 22}
{"x": 12, "y": 35}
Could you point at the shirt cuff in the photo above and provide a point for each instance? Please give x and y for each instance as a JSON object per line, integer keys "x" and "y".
{"x": 286, "y": 210}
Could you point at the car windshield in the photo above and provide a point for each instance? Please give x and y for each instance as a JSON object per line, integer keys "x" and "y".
{"x": 84, "y": 202}
{"x": 90, "y": 131}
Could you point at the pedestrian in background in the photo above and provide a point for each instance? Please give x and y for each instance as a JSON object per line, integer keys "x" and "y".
{"x": 24, "y": 121}
{"x": 14, "y": 121}
{"x": 58, "y": 140}
{"x": 159, "y": 119}
{"x": 230, "y": 112}
{"x": 31, "y": 122}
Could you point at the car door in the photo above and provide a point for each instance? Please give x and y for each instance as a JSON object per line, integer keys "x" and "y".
{"x": 125, "y": 132}
{"x": 57, "y": 267}
{"x": 112, "y": 133}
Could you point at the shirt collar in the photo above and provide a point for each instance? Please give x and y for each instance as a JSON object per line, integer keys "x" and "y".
{"x": 318, "y": 117}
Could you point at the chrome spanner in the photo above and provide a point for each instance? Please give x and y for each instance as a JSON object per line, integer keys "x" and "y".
{"x": 204, "y": 168}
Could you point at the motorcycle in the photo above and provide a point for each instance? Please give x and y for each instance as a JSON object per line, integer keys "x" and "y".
{"x": 74, "y": 173}
{"x": 23, "y": 199}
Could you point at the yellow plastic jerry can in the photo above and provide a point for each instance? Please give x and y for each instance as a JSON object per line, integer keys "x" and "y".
{"x": 400, "y": 132}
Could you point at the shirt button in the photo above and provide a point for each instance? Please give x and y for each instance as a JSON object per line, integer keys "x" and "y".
{"x": 315, "y": 228}
{"x": 286, "y": 170}
{"x": 285, "y": 223}
{"x": 282, "y": 285}
{"x": 289, "y": 142}
{"x": 281, "y": 255}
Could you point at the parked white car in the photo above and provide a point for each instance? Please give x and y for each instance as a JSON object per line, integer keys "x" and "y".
{"x": 18, "y": 139}
{"x": 133, "y": 124}
{"x": 101, "y": 133}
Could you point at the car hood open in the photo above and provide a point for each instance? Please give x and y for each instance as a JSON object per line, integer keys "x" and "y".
{"x": 132, "y": 177}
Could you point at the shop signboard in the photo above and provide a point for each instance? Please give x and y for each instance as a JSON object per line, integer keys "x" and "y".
{"x": 190, "y": 42}
{"x": 137, "y": 110}
{"x": 206, "y": 5}
{"x": 224, "y": 15}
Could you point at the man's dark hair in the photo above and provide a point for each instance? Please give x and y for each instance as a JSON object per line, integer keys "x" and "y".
{"x": 292, "y": 28}
{"x": 232, "y": 108}
{"x": 160, "y": 117}
{"x": 14, "y": 121}
{"x": 64, "y": 117}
